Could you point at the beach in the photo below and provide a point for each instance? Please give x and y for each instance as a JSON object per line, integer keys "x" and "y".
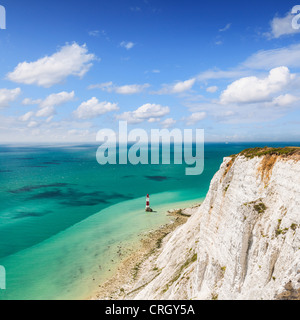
{"x": 119, "y": 286}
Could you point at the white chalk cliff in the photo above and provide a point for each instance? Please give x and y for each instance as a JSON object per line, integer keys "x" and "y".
{"x": 242, "y": 243}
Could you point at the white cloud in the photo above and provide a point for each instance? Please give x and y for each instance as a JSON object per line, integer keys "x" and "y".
{"x": 32, "y": 124}
{"x": 13, "y": 129}
{"x": 219, "y": 42}
{"x": 49, "y": 119}
{"x": 170, "y": 122}
{"x": 145, "y": 112}
{"x": 93, "y": 108}
{"x": 94, "y": 33}
{"x": 127, "y": 45}
{"x": 98, "y": 33}
{"x": 57, "y": 99}
{"x": 27, "y": 116}
{"x": 126, "y": 89}
{"x": 46, "y": 112}
{"x": 281, "y": 26}
{"x": 131, "y": 89}
{"x": 152, "y": 71}
{"x": 29, "y": 101}
{"x": 195, "y": 117}
{"x": 285, "y": 100}
{"x": 267, "y": 59}
{"x": 261, "y": 60}
{"x": 253, "y": 89}
{"x": 103, "y": 86}
{"x": 227, "y": 27}
{"x": 220, "y": 74}
{"x": 153, "y": 120}
{"x": 178, "y": 87}
{"x": 7, "y": 96}
{"x": 212, "y": 89}
{"x": 69, "y": 60}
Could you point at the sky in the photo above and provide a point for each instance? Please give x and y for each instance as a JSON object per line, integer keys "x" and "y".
{"x": 71, "y": 68}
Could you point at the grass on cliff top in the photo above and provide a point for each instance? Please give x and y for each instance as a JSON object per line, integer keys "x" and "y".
{"x": 259, "y": 152}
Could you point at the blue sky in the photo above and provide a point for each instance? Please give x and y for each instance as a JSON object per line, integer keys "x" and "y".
{"x": 70, "y": 68}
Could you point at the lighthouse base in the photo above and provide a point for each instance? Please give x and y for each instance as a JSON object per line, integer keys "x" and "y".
{"x": 148, "y": 209}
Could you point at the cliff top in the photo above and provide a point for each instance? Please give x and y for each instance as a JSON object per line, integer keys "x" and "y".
{"x": 270, "y": 156}
{"x": 293, "y": 152}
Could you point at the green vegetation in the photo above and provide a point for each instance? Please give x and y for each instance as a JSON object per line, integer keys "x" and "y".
{"x": 259, "y": 152}
{"x": 260, "y": 208}
{"x": 294, "y": 226}
{"x": 227, "y": 188}
{"x": 223, "y": 271}
{"x": 280, "y": 231}
{"x": 214, "y": 296}
{"x": 136, "y": 270}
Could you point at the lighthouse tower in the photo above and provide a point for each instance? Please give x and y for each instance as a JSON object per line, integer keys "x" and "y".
{"x": 148, "y": 209}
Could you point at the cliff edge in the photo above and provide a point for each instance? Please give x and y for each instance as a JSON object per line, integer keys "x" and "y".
{"x": 242, "y": 243}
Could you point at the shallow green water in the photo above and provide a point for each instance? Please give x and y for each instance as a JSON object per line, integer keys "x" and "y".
{"x": 64, "y": 219}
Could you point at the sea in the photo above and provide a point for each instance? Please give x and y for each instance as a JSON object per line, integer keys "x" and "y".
{"x": 67, "y": 222}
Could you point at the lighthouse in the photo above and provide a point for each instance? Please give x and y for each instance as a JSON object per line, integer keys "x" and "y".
{"x": 148, "y": 209}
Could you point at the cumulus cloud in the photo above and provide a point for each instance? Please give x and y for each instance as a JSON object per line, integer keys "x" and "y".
{"x": 46, "y": 112}
{"x": 69, "y": 60}
{"x": 57, "y": 99}
{"x": 126, "y": 89}
{"x": 47, "y": 106}
{"x": 131, "y": 89}
{"x": 178, "y": 87}
{"x": 285, "y": 100}
{"x": 93, "y": 108}
{"x": 7, "y": 96}
{"x": 253, "y": 89}
{"x": 147, "y": 111}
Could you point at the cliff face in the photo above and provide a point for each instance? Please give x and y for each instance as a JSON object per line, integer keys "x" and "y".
{"x": 243, "y": 242}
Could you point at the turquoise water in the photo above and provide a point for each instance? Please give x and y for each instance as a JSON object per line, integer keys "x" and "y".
{"x": 66, "y": 221}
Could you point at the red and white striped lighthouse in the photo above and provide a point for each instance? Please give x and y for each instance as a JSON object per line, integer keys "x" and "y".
{"x": 147, "y": 202}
